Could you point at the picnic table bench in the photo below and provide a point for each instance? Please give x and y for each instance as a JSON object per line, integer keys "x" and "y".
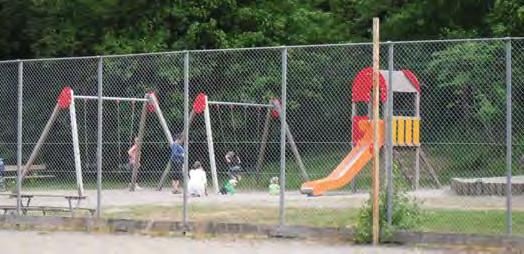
{"x": 11, "y": 173}
{"x": 34, "y": 168}
{"x": 25, "y": 206}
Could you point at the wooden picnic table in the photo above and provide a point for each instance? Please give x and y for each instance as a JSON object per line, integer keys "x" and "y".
{"x": 28, "y": 197}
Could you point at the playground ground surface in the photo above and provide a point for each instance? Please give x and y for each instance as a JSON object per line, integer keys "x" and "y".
{"x": 444, "y": 211}
{"x": 28, "y": 242}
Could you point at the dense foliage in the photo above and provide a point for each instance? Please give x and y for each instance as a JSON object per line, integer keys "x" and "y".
{"x": 36, "y": 28}
{"x": 463, "y": 83}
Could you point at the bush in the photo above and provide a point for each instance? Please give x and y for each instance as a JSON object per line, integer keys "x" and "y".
{"x": 406, "y": 215}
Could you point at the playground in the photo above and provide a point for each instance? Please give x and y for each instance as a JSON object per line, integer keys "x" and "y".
{"x": 288, "y": 142}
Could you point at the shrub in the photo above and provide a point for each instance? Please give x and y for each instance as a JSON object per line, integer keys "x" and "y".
{"x": 406, "y": 215}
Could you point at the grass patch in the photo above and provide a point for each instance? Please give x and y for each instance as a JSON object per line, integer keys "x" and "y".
{"x": 444, "y": 221}
{"x": 471, "y": 222}
{"x": 239, "y": 214}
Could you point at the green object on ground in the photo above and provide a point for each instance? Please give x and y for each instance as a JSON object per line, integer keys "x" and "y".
{"x": 274, "y": 189}
{"x": 230, "y": 188}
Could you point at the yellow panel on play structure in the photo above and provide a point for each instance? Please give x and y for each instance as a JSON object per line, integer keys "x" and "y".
{"x": 409, "y": 130}
{"x": 416, "y": 131}
{"x": 394, "y": 130}
{"x": 400, "y": 131}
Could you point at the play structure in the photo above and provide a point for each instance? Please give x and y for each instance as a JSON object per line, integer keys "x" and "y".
{"x": 202, "y": 106}
{"x": 66, "y": 101}
{"x": 405, "y": 129}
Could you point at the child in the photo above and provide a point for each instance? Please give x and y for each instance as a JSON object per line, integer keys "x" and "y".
{"x": 133, "y": 160}
{"x": 177, "y": 158}
{"x": 229, "y": 187}
{"x": 197, "y": 180}
{"x": 233, "y": 164}
{"x": 274, "y": 187}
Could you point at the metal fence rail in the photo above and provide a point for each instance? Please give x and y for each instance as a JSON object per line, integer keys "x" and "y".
{"x": 287, "y": 113}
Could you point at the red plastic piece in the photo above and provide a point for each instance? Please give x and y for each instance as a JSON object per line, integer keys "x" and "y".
{"x": 274, "y": 112}
{"x": 199, "y": 105}
{"x": 357, "y": 133}
{"x": 65, "y": 98}
{"x": 412, "y": 78}
{"x": 363, "y": 84}
{"x": 150, "y": 106}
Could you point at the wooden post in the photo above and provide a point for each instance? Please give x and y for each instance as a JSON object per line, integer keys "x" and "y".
{"x": 40, "y": 141}
{"x": 164, "y": 175}
{"x": 376, "y": 161}
{"x": 353, "y": 113}
{"x": 162, "y": 119}
{"x": 140, "y": 138}
{"x": 293, "y": 145}
{"x": 168, "y": 164}
{"x": 298, "y": 158}
{"x": 263, "y": 144}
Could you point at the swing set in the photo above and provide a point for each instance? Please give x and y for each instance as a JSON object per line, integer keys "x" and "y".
{"x": 201, "y": 106}
{"x": 66, "y": 101}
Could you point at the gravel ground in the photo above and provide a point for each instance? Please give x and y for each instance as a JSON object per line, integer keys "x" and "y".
{"x": 443, "y": 198}
{"x": 27, "y": 242}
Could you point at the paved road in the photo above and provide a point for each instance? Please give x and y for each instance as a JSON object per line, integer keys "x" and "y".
{"x": 78, "y": 243}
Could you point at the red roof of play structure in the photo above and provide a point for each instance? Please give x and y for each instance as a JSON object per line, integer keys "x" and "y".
{"x": 412, "y": 78}
{"x": 363, "y": 84}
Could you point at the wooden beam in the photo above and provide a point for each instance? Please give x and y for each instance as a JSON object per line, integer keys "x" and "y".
{"x": 162, "y": 119}
{"x": 40, "y": 141}
{"x": 293, "y": 146}
{"x": 431, "y": 170}
{"x": 263, "y": 144}
{"x": 164, "y": 175}
{"x": 168, "y": 164}
{"x": 140, "y": 137}
{"x": 376, "y": 160}
{"x": 298, "y": 158}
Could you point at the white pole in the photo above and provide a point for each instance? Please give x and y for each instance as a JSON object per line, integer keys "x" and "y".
{"x": 76, "y": 148}
{"x": 210, "y": 147}
{"x": 105, "y": 98}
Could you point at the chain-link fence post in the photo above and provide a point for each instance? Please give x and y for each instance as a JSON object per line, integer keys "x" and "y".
{"x": 186, "y": 137}
{"x": 19, "y": 138}
{"x": 388, "y": 155}
{"x": 283, "y": 139}
{"x": 508, "y": 137}
{"x": 99, "y": 139}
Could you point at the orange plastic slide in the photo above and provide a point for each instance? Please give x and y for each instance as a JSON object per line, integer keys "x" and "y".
{"x": 359, "y": 156}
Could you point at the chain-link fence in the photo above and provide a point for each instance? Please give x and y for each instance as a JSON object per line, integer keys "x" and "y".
{"x": 457, "y": 173}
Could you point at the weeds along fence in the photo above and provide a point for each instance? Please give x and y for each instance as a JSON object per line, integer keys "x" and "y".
{"x": 470, "y": 108}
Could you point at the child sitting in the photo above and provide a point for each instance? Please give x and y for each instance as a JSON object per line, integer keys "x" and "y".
{"x": 274, "y": 187}
{"x": 197, "y": 180}
{"x": 229, "y": 187}
{"x": 233, "y": 163}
